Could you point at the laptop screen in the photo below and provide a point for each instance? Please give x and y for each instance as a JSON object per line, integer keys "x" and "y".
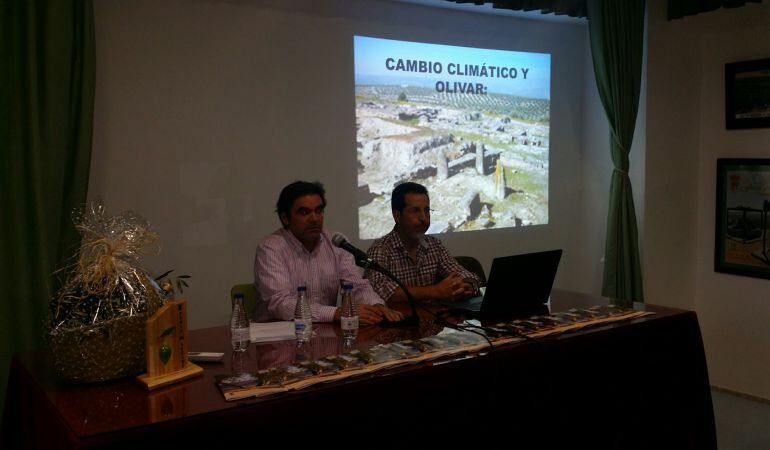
{"x": 520, "y": 282}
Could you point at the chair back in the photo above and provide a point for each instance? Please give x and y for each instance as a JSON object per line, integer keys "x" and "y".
{"x": 472, "y": 264}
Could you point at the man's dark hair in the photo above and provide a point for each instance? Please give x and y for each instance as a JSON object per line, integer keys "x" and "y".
{"x": 296, "y": 190}
{"x": 398, "y": 197}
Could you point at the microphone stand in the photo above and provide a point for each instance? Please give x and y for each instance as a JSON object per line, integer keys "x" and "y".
{"x": 411, "y": 321}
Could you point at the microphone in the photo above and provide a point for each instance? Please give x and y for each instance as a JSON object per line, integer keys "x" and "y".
{"x": 340, "y": 241}
{"x": 363, "y": 260}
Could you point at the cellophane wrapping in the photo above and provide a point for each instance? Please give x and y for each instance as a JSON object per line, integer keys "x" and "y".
{"x": 97, "y": 329}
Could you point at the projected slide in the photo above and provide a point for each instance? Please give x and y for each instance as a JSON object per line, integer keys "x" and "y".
{"x": 470, "y": 124}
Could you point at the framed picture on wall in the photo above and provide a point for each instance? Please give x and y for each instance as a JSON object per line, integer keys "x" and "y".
{"x": 747, "y": 94}
{"x": 742, "y": 219}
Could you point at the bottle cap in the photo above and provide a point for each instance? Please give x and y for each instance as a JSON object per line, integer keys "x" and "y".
{"x": 347, "y": 285}
{"x": 301, "y": 289}
{"x": 238, "y": 296}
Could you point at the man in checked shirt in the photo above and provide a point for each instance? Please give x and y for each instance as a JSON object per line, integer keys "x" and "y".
{"x": 421, "y": 262}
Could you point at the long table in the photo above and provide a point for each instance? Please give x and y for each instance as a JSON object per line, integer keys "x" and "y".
{"x": 639, "y": 384}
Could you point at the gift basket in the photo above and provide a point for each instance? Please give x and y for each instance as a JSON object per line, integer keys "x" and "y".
{"x": 97, "y": 329}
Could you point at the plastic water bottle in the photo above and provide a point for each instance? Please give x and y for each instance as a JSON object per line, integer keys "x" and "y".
{"x": 240, "y": 362}
{"x": 349, "y": 315}
{"x": 239, "y": 326}
{"x": 303, "y": 318}
{"x": 303, "y": 352}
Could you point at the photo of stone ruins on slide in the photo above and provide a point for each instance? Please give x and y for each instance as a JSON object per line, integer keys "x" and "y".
{"x": 483, "y": 158}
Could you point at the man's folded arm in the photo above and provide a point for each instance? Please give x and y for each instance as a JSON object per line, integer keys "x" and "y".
{"x": 430, "y": 293}
{"x": 321, "y": 313}
{"x": 389, "y": 289}
{"x": 448, "y": 265}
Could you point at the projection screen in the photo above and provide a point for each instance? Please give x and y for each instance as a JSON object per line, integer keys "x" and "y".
{"x": 470, "y": 124}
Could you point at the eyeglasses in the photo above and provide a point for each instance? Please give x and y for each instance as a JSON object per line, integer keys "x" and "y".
{"x": 415, "y": 210}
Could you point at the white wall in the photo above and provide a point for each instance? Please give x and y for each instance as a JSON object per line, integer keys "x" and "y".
{"x": 206, "y": 108}
{"x": 673, "y": 93}
{"x": 685, "y": 136}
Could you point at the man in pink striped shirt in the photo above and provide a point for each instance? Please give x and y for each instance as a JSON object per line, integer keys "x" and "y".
{"x": 301, "y": 254}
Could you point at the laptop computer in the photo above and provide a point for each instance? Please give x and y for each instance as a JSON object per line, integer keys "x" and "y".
{"x": 518, "y": 285}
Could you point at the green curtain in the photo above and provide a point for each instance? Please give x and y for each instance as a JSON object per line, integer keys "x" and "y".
{"x": 46, "y": 116}
{"x": 617, "y": 32}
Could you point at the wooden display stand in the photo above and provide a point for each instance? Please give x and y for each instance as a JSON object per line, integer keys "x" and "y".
{"x": 166, "y": 404}
{"x": 167, "y": 347}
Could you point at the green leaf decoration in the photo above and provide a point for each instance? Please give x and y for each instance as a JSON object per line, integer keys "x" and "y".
{"x": 164, "y": 353}
{"x": 167, "y": 331}
{"x": 160, "y": 277}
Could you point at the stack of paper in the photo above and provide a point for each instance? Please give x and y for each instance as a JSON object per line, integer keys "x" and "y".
{"x": 272, "y": 331}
